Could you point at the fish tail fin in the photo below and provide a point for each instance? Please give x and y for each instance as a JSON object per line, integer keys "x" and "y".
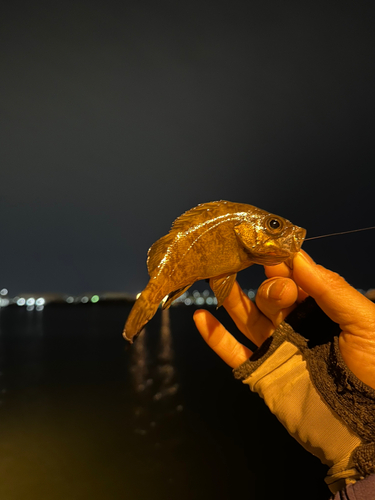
{"x": 142, "y": 311}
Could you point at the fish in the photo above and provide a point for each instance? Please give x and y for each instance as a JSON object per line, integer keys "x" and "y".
{"x": 212, "y": 241}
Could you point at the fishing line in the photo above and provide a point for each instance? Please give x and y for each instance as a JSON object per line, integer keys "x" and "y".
{"x": 343, "y": 232}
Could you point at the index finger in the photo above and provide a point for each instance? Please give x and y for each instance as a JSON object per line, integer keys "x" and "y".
{"x": 249, "y": 320}
{"x": 220, "y": 340}
{"x": 281, "y": 270}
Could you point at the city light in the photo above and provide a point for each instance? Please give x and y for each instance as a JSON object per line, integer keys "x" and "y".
{"x": 195, "y": 298}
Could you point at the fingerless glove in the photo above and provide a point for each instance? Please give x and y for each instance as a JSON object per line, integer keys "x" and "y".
{"x": 309, "y": 388}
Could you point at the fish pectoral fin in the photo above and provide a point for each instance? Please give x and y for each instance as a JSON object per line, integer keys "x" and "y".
{"x": 247, "y": 235}
{"x": 222, "y": 287}
{"x": 174, "y": 295}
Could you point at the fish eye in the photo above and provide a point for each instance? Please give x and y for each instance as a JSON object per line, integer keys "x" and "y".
{"x": 274, "y": 224}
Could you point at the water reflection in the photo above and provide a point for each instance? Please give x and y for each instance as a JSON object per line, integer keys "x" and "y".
{"x": 165, "y": 367}
{"x": 2, "y": 383}
{"x": 87, "y": 416}
{"x": 154, "y": 382}
{"x": 138, "y": 368}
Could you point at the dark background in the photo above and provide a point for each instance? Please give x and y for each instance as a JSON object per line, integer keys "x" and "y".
{"x": 116, "y": 117}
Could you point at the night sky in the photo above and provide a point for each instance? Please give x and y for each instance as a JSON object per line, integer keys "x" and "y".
{"x": 116, "y": 117}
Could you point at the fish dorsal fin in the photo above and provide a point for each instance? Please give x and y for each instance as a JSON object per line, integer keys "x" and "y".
{"x": 188, "y": 219}
{"x": 200, "y": 213}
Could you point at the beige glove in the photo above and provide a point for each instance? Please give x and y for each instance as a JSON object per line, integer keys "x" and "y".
{"x": 322, "y": 404}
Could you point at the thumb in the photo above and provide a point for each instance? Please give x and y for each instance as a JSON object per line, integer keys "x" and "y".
{"x": 341, "y": 302}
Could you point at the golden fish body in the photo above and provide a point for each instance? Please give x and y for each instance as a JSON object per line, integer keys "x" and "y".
{"x": 211, "y": 241}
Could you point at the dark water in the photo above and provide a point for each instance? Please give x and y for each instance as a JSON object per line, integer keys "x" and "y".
{"x": 83, "y": 415}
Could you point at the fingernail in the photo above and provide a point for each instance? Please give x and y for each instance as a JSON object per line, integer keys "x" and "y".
{"x": 197, "y": 314}
{"x": 276, "y": 289}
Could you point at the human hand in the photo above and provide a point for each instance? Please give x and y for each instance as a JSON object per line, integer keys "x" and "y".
{"x": 278, "y": 296}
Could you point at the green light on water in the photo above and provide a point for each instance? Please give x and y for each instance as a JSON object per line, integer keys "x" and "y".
{"x": 95, "y": 298}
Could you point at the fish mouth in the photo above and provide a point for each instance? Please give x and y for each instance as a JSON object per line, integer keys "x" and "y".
{"x": 289, "y": 246}
{"x": 298, "y": 237}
